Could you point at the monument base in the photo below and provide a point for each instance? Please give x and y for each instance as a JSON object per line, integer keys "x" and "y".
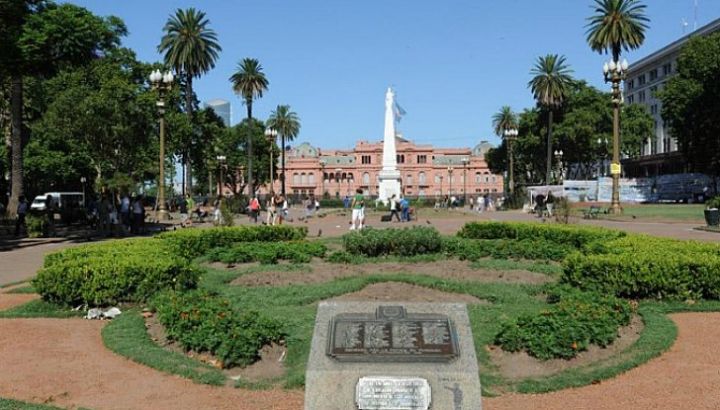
{"x": 332, "y": 384}
{"x": 389, "y": 186}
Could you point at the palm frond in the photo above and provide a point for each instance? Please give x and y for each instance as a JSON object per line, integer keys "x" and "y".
{"x": 617, "y": 25}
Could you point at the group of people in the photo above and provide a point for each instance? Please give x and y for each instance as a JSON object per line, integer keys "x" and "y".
{"x": 277, "y": 209}
{"x": 400, "y": 208}
{"x": 544, "y": 205}
{"x": 190, "y": 209}
{"x": 118, "y": 214}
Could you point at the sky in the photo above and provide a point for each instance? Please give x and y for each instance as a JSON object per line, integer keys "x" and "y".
{"x": 452, "y": 63}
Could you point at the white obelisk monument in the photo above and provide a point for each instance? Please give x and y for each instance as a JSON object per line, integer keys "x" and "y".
{"x": 389, "y": 176}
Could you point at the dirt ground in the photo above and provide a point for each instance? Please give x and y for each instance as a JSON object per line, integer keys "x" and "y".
{"x": 321, "y": 272}
{"x": 403, "y": 292}
{"x": 517, "y": 366}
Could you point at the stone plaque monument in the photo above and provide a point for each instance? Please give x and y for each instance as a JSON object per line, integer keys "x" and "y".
{"x": 399, "y": 356}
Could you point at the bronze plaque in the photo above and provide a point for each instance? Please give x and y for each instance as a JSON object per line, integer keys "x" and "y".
{"x": 392, "y": 335}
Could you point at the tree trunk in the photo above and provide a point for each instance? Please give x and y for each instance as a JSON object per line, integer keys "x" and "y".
{"x": 549, "y": 147}
{"x": 249, "y": 181}
{"x": 189, "y": 112}
{"x": 282, "y": 164}
{"x": 184, "y": 168}
{"x": 16, "y": 124}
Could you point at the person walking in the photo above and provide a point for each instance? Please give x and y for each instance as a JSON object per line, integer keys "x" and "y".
{"x": 254, "y": 209}
{"x": 137, "y": 215}
{"x": 270, "y": 220}
{"x": 405, "y": 209}
{"x": 394, "y": 208}
{"x": 22, "y": 209}
{"x": 550, "y": 203}
{"x": 125, "y": 212}
{"x": 280, "y": 208}
{"x": 182, "y": 205}
{"x": 358, "y": 205}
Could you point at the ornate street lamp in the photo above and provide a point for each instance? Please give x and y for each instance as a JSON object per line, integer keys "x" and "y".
{"x": 271, "y": 135}
{"x": 162, "y": 83}
{"x": 83, "y": 180}
{"x": 465, "y": 162}
{"x": 559, "y": 156}
{"x": 615, "y": 72}
{"x": 450, "y": 178}
{"x": 510, "y": 136}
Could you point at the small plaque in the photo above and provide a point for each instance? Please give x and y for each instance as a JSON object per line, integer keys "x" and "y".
{"x": 392, "y": 393}
{"x": 615, "y": 169}
{"x": 391, "y": 335}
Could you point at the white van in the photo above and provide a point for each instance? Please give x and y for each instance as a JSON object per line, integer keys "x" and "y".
{"x": 60, "y": 199}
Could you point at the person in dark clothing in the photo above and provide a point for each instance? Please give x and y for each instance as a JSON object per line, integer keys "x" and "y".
{"x": 394, "y": 205}
{"x": 21, "y": 213}
{"x": 540, "y": 205}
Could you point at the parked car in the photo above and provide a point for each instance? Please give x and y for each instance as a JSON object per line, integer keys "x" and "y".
{"x": 685, "y": 188}
{"x": 62, "y": 200}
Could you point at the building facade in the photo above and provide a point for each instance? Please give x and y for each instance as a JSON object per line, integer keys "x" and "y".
{"x": 425, "y": 171}
{"x": 644, "y": 79}
{"x": 221, "y": 108}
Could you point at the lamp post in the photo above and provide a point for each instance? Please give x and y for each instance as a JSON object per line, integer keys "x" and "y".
{"x": 162, "y": 83}
{"x": 271, "y": 135}
{"x": 465, "y": 162}
{"x": 510, "y": 136}
{"x": 559, "y": 156}
{"x": 83, "y": 180}
{"x": 322, "y": 177}
{"x": 221, "y": 163}
{"x": 338, "y": 175}
{"x": 450, "y": 178}
{"x": 615, "y": 72}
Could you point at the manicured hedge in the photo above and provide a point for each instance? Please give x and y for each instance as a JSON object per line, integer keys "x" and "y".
{"x": 192, "y": 243}
{"x": 269, "y": 252}
{"x": 475, "y": 249}
{"x": 574, "y": 321}
{"x": 129, "y": 270}
{"x": 203, "y": 322}
{"x": 575, "y": 236}
{"x": 398, "y": 242}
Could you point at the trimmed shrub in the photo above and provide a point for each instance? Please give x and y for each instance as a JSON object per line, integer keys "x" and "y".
{"x": 192, "y": 243}
{"x": 398, "y": 242}
{"x": 130, "y": 270}
{"x": 269, "y": 252}
{"x": 575, "y": 236}
{"x": 475, "y": 249}
{"x": 203, "y": 322}
{"x": 574, "y": 321}
{"x": 340, "y": 257}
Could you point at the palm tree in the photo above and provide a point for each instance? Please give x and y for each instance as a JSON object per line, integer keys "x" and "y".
{"x": 191, "y": 49}
{"x": 617, "y": 25}
{"x": 249, "y": 82}
{"x": 287, "y": 124}
{"x": 550, "y": 86}
{"x": 504, "y": 119}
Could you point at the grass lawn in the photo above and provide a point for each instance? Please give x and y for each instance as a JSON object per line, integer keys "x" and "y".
{"x": 6, "y": 404}
{"x": 690, "y": 213}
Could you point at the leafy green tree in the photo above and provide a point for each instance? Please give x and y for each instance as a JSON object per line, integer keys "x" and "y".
{"x": 249, "y": 82}
{"x": 550, "y": 86}
{"x": 38, "y": 38}
{"x": 504, "y": 119}
{"x": 191, "y": 48}
{"x": 691, "y": 107}
{"x": 617, "y": 25}
{"x": 287, "y": 124}
{"x": 636, "y": 127}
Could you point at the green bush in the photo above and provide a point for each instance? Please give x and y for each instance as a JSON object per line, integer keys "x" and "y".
{"x": 36, "y": 226}
{"x": 574, "y": 321}
{"x": 195, "y": 242}
{"x": 130, "y": 270}
{"x": 269, "y": 252}
{"x": 475, "y": 249}
{"x": 340, "y": 257}
{"x": 331, "y": 203}
{"x": 398, "y": 242}
{"x": 575, "y": 236}
{"x": 203, "y": 322}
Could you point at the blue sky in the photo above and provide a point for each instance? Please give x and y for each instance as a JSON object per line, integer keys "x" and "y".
{"x": 453, "y": 63}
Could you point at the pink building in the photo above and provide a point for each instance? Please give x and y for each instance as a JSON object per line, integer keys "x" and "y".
{"x": 426, "y": 171}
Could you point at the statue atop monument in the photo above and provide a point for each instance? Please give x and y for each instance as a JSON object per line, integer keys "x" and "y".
{"x": 389, "y": 176}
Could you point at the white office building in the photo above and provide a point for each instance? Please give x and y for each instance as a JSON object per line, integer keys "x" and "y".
{"x": 644, "y": 79}
{"x": 221, "y": 108}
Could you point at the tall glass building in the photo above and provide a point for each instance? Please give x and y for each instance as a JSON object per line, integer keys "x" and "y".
{"x": 221, "y": 108}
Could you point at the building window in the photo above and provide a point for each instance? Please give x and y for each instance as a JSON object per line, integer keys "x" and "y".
{"x": 478, "y": 178}
{"x": 438, "y": 178}
{"x": 641, "y": 96}
{"x": 366, "y": 159}
{"x": 350, "y": 176}
{"x": 366, "y": 179}
{"x": 421, "y": 178}
{"x": 666, "y": 145}
{"x": 653, "y": 109}
{"x": 654, "y": 147}
{"x": 631, "y": 99}
{"x": 409, "y": 179}
{"x": 311, "y": 179}
{"x": 296, "y": 179}
{"x": 653, "y": 74}
{"x": 303, "y": 179}
{"x": 667, "y": 69}
{"x": 421, "y": 192}
{"x": 631, "y": 84}
{"x": 400, "y": 158}
{"x": 641, "y": 80}
{"x": 653, "y": 91}
{"x": 422, "y": 159}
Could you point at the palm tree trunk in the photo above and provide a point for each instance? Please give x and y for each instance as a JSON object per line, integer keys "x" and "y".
{"x": 189, "y": 112}
{"x": 549, "y": 147}
{"x": 16, "y": 123}
{"x": 250, "y": 183}
{"x": 282, "y": 164}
